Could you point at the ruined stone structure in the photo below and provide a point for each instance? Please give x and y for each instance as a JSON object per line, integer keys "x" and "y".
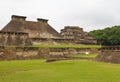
{"x": 36, "y": 30}
{"x": 110, "y": 54}
{"x": 11, "y": 53}
{"x": 14, "y": 39}
{"x": 77, "y": 34}
{"x": 39, "y": 29}
{"x": 40, "y": 32}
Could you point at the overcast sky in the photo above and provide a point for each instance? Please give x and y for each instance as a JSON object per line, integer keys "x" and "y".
{"x": 88, "y": 14}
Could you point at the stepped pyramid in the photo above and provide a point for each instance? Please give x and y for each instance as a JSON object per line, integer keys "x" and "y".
{"x": 35, "y": 29}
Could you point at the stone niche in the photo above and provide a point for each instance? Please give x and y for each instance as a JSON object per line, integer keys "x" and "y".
{"x": 110, "y": 54}
{"x": 14, "y": 39}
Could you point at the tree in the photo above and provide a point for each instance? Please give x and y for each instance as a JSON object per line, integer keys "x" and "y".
{"x": 107, "y": 36}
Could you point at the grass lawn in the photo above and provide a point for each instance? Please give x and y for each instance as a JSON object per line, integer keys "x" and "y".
{"x": 59, "y": 71}
{"x": 84, "y": 55}
{"x": 66, "y": 46}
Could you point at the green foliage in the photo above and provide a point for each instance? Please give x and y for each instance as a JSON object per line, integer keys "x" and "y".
{"x": 60, "y": 71}
{"x": 107, "y": 36}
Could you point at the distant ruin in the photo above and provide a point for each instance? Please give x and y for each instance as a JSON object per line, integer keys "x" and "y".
{"x": 77, "y": 34}
{"x": 40, "y": 32}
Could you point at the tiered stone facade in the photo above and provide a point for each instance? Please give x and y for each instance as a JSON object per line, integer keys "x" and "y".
{"x": 77, "y": 34}
{"x": 14, "y": 39}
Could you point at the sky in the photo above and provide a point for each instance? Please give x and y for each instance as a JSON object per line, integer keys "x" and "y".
{"x": 87, "y": 14}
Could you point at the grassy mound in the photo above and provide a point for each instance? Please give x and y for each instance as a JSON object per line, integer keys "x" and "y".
{"x": 60, "y": 71}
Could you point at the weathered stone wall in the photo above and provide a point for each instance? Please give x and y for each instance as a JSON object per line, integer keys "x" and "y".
{"x": 51, "y": 41}
{"x": 109, "y": 54}
{"x": 14, "y": 39}
{"x": 8, "y": 53}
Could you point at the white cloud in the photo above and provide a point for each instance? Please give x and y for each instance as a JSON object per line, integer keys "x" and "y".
{"x": 89, "y": 14}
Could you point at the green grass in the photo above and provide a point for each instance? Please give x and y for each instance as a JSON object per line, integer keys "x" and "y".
{"x": 66, "y": 46}
{"x": 61, "y": 46}
{"x": 60, "y": 71}
{"x": 84, "y": 55}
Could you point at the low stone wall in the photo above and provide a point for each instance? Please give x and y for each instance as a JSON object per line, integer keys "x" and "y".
{"x": 11, "y": 53}
{"x": 109, "y": 54}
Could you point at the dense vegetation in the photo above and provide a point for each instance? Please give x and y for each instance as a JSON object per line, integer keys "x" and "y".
{"x": 60, "y": 71}
{"x": 107, "y": 36}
